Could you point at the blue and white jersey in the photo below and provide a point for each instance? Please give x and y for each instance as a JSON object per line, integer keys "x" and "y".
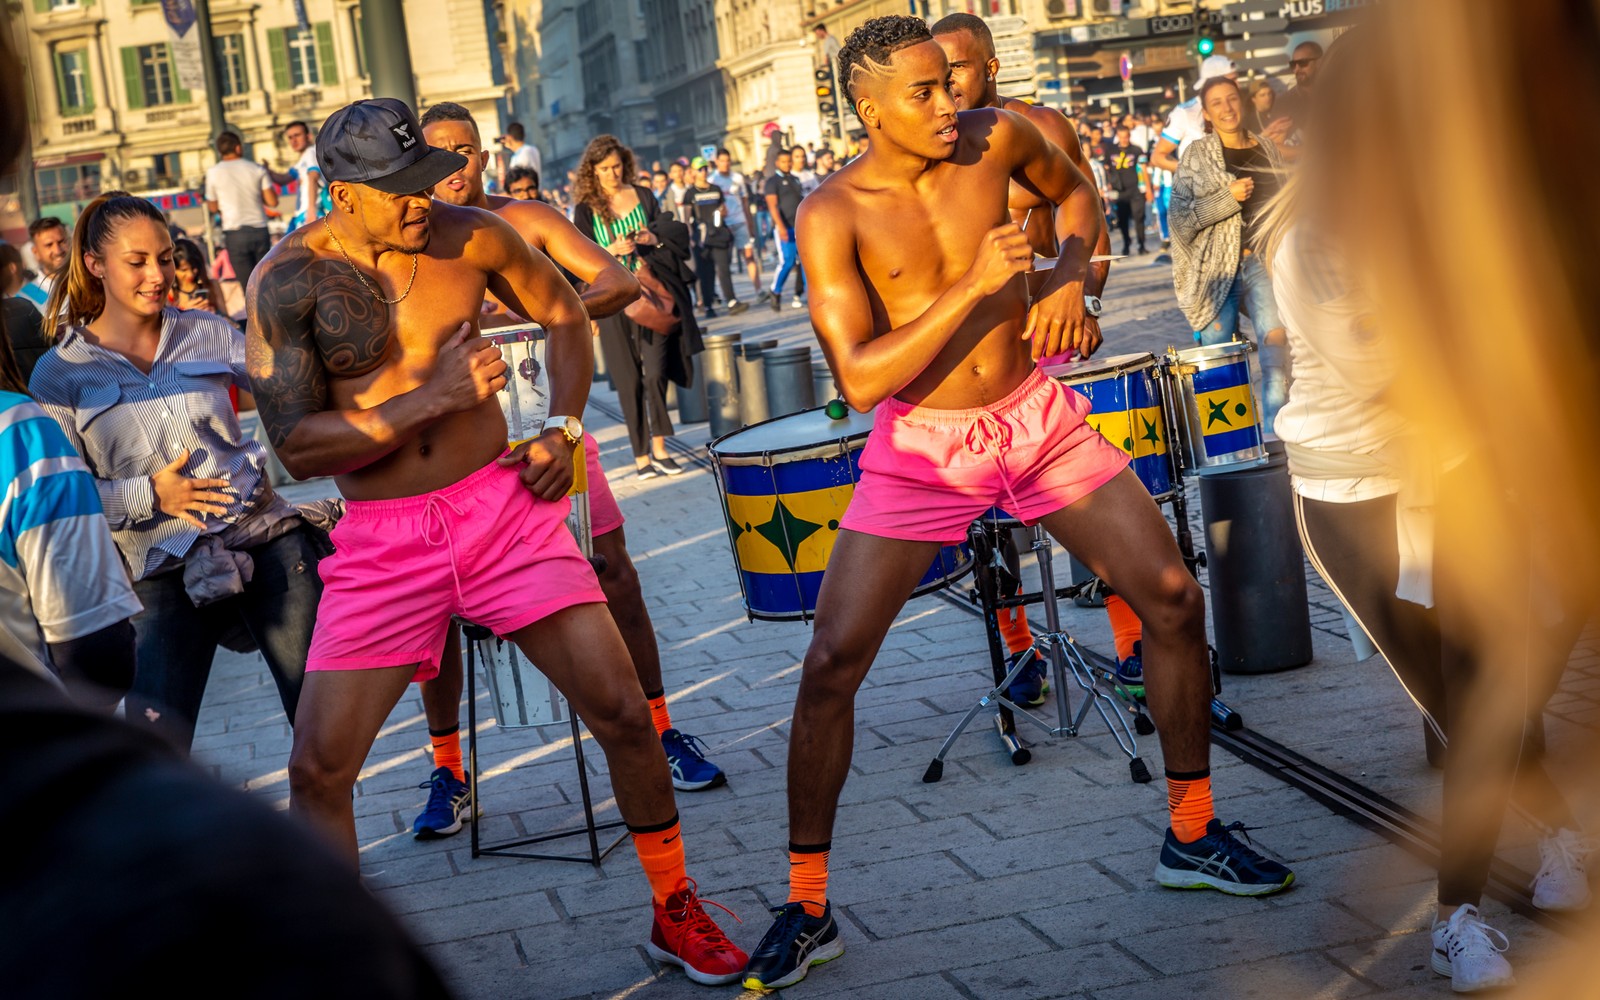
{"x": 61, "y": 576}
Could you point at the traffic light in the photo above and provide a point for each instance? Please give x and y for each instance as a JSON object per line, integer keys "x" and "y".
{"x": 1204, "y": 43}
{"x": 827, "y": 100}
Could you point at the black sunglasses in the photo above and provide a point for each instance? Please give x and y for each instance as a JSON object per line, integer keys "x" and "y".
{"x": 1297, "y": 63}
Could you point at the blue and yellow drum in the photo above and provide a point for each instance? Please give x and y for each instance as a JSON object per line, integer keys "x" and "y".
{"x": 1124, "y": 394}
{"x": 1219, "y": 420}
{"x": 785, "y": 484}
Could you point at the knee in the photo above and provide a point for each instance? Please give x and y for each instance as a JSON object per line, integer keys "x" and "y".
{"x": 620, "y": 718}
{"x": 832, "y": 671}
{"x": 1178, "y": 606}
{"x": 620, "y": 581}
{"x": 315, "y": 774}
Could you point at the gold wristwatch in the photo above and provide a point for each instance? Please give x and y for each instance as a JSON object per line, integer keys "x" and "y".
{"x": 571, "y": 428}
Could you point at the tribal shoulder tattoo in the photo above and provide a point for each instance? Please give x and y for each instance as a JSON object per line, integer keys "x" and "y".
{"x": 309, "y": 318}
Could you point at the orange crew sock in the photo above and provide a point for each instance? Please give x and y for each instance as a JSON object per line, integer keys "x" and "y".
{"x": 1189, "y": 802}
{"x": 808, "y": 876}
{"x": 1014, "y": 629}
{"x": 660, "y": 850}
{"x": 658, "y": 711}
{"x": 447, "y": 751}
{"x": 1125, "y": 626}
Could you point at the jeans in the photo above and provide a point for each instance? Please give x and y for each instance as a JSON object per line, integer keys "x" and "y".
{"x": 246, "y": 246}
{"x": 1130, "y": 208}
{"x": 176, "y": 641}
{"x": 1252, "y": 290}
{"x": 788, "y": 260}
{"x": 1162, "y": 201}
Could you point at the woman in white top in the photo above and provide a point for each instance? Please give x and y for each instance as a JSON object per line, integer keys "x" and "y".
{"x": 1354, "y": 478}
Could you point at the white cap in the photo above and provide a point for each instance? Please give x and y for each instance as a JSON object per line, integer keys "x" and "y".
{"x": 1215, "y": 66}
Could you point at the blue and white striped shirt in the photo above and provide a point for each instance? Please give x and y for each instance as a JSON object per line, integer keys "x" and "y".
{"x": 60, "y": 575}
{"x": 128, "y": 425}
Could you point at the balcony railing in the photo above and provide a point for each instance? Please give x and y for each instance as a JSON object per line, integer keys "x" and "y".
{"x": 236, "y": 104}
{"x": 86, "y": 125}
{"x": 161, "y": 116}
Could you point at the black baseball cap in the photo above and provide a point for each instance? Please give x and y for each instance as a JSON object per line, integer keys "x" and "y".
{"x": 379, "y": 143}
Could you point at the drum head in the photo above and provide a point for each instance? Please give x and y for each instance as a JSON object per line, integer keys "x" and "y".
{"x": 1236, "y": 350}
{"x": 795, "y": 432}
{"x": 1095, "y": 368}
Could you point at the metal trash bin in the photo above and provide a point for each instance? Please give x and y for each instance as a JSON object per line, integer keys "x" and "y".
{"x": 692, "y": 401}
{"x": 1259, "y": 610}
{"x": 823, "y": 387}
{"x": 753, "y": 381}
{"x": 789, "y": 385}
{"x": 722, "y": 384}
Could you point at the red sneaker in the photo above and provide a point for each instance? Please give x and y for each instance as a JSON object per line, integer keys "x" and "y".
{"x": 685, "y": 935}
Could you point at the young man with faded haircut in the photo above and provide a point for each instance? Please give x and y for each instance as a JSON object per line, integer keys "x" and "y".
{"x": 608, "y": 288}
{"x": 944, "y": 344}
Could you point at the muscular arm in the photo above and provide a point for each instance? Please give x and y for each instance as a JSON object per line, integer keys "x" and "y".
{"x": 1046, "y": 168}
{"x": 869, "y": 368}
{"x": 1059, "y": 131}
{"x": 610, "y": 285}
{"x": 531, "y": 286}
{"x": 288, "y": 293}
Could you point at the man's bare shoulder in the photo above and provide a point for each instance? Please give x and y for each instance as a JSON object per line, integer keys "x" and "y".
{"x": 534, "y": 220}
{"x": 467, "y": 228}
{"x": 287, "y": 259}
{"x": 1055, "y": 126}
{"x": 832, "y": 206}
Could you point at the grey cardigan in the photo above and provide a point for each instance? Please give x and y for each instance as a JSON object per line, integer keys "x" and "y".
{"x": 1207, "y": 228}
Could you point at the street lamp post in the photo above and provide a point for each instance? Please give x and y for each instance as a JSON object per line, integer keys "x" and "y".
{"x": 208, "y": 65}
{"x": 383, "y": 26}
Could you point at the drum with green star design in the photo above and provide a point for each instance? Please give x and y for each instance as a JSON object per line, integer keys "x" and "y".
{"x": 1124, "y": 394}
{"x": 1219, "y": 421}
{"x": 785, "y": 484}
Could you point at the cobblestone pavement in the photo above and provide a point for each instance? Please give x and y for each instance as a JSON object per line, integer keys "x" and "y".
{"x": 999, "y": 881}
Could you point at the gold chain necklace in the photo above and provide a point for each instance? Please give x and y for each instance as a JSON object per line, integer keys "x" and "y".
{"x": 362, "y": 275}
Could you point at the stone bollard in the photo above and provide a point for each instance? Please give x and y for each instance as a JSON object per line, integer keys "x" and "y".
{"x": 789, "y": 386}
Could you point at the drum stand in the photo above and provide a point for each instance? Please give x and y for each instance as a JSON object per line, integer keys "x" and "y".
{"x": 1054, "y": 644}
{"x": 506, "y": 849}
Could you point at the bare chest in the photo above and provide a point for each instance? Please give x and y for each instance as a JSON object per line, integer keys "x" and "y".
{"x": 361, "y": 330}
{"x": 913, "y": 248}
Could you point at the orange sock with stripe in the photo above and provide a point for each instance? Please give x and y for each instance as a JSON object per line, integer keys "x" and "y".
{"x": 1126, "y": 629}
{"x": 447, "y": 751}
{"x": 660, "y": 850}
{"x": 1014, "y": 629}
{"x": 1189, "y": 803}
{"x": 658, "y": 711}
{"x": 808, "y": 876}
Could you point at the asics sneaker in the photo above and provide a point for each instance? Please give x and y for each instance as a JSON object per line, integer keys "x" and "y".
{"x": 1130, "y": 672}
{"x": 448, "y": 801}
{"x": 685, "y": 935}
{"x": 1030, "y": 686}
{"x": 793, "y": 944}
{"x": 1563, "y": 879}
{"x": 686, "y": 758}
{"x": 1469, "y": 951}
{"x": 1220, "y": 861}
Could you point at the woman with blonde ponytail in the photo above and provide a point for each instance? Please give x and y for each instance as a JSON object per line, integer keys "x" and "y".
{"x": 141, "y": 389}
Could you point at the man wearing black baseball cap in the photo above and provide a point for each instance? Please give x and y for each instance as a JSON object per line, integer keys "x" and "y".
{"x": 366, "y": 365}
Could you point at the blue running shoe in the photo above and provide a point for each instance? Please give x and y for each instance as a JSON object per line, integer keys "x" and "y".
{"x": 1032, "y": 684}
{"x": 1130, "y": 672}
{"x": 686, "y": 757}
{"x": 447, "y": 802}
{"x": 1219, "y": 860}
{"x": 793, "y": 944}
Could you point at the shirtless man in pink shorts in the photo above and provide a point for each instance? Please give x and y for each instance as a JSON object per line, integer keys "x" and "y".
{"x": 366, "y": 366}
{"x": 920, "y": 305}
{"x": 609, "y": 287}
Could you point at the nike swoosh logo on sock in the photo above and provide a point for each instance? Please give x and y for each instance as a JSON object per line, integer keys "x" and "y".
{"x": 672, "y": 838}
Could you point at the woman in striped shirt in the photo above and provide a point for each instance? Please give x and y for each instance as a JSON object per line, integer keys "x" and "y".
{"x": 141, "y": 390}
{"x": 617, "y": 215}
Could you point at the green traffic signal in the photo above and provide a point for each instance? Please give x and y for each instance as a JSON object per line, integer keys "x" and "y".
{"x": 1205, "y": 45}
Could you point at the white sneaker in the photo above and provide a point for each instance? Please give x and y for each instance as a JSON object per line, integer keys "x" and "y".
{"x": 1469, "y": 951}
{"x": 797, "y": 303}
{"x": 1563, "y": 879}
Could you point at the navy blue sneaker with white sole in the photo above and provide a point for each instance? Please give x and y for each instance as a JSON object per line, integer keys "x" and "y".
{"x": 1130, "y": 672}
{"x": 793, "y": 944}
{"x": 1030, "y": 687}
{"x": 1220, "y": 861}
{"x": 448, "y": 801}
{"x": 686, "y": 759}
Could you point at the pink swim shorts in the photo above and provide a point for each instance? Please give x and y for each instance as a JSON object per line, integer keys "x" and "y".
{"x": 604, "y": 514}
{"x": 485, "y": 548}
{"x": 927, "y": 474}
